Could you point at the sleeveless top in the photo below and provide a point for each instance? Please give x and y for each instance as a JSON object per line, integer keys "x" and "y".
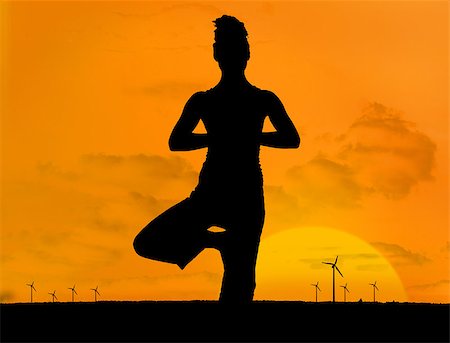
{"x": 233, "y": 121}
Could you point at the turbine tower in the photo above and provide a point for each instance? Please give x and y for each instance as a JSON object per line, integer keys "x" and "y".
{"x": 317, "y": 288}
{"x": 31, "y": 285}
{"x": 73, "y": 291}
{"x": 374, "y": 285}
{"x": 345, "y": 291}
{"x": 95, "y": 293}
{"x": 334, "y": 266}
{"x": 53, "y": 296}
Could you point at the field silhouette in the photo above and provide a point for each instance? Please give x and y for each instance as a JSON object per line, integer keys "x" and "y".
{"x": 211, "y": 321}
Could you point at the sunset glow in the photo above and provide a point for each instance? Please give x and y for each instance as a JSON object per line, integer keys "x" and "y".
{"x": 91, "y": 91}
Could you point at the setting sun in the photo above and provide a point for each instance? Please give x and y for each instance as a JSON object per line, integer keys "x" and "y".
{"x": 290, "y": 261}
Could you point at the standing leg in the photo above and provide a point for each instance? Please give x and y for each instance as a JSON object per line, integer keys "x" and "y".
{"x": 239, "y": 253}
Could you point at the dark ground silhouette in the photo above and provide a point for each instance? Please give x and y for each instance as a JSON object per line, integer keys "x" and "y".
{"x": 230, "y": 189}
{"x": 211, "y": 321}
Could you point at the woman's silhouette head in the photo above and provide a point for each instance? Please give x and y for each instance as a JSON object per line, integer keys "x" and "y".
{"x": 231, "y": 48}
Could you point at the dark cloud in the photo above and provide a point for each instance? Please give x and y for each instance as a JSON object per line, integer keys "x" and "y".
{"x": 400, "y": 256}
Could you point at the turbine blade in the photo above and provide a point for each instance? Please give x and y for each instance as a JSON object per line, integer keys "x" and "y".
{"x": 336, "y": 260}
{"x": 319, "y": 289}
{"x": 75, "y": 292}
{"x": 377, "y": 288}
{"x": 339, "y": 271}
{"x": 327, "y": 263}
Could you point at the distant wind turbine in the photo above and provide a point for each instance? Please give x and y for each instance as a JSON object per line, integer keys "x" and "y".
{"x": 53, "y": 296}
{"x": 345, "y": 291}
{"x": 73, "y": 291}
{"x": 374, "y": 285}
{"x": 95, "y": 293}
{"x": 334, "y": 266}
{"x": 317, "y": 288}
{"x": 31, "y": 285}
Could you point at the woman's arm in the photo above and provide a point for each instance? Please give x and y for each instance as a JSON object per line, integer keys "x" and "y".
{"x": 182, "y": 137}
{"x": 286, "y": 135}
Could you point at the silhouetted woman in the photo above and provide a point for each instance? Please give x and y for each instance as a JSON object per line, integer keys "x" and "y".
{"x": 230, "y": 189}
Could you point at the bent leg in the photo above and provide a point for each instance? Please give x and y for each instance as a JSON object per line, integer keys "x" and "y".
{"x": 176, "y": 236}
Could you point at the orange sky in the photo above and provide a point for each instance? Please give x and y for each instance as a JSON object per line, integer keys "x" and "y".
{"x": 91, "y": 91}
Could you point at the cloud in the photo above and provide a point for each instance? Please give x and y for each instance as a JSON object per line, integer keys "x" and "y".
{"x": 282, "y": 208}
{"x": 6, "y": 296}
{"x": 95, "y": 174}
{"x": 400, "y": 256}
{"x": 387, "y": 153}
{"x": 85, "y": 214}
{"x": 325, "y": 183}
{"x": 380, "y": 153}
{"x": 446, "y": 248}
{"x": 430, "y": 286}
{"x": 372, "y": 267}
{"x": 204, "y": 275}
{"x": 364, "y": 258}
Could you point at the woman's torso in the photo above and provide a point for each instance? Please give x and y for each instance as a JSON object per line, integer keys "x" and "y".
{"x": 233, "y": 121}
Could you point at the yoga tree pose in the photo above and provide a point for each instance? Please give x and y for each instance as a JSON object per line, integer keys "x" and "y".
{"x": 229, "y": 193}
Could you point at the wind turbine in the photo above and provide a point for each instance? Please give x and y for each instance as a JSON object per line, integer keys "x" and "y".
{"x": 31, "y": 285}
{"x": 95, "y": 293}
{"x": 73, "y": 291}
{"x": 334, "y": 266}
{"x": 317, "y": 288}
{"x": 345, "y": 291}
{"x": 53, "y": 296}
{"x": 374, "y": 285}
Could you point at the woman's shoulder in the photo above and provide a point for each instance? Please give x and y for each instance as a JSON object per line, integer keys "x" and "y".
{"x": 266, "y": 96}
